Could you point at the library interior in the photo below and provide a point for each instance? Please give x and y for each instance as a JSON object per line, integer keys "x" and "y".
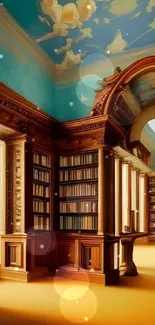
{"x": 77, "y": 162}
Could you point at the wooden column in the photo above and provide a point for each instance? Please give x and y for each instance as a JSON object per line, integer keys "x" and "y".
{"x": 143, "y": 218}
{"x": 118, "y": 204}
{"x": 126, "y": 194}
{"x": 134, "y": 196}
{"x": 126, "y": 204}
{"x": 101, "y": 192}
{"x": 2, "y": 191}
{"x": 118, "y": 196}
{"x": 17, "y": 147}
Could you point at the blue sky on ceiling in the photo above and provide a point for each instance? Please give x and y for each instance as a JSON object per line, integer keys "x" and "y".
{"x": 112, "y": 27}
{"x": 106, "y": 28}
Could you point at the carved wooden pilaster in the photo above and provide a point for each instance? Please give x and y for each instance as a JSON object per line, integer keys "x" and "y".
{"x": 16, "y": 186}
{"x": 9, "y": 189}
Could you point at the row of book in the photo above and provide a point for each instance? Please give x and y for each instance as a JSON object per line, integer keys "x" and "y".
{"x": 151, "y": 181}
{"x": 41, "y": 160}
{"x": 152, "y": 224}
{"x": 41, "y": 190}
{"x": 152, "y": 198}
{"x": 82, "y": 159}
{"x": 41, "y": 176}
{"x": 152, "y": 233}
{"x": 79, "y": 207}
{"x": 152, "y": 215}
{"x": 152, "y": 190}
{"x": 41, "y": 206}
{"x": 78, "y": 190}
{"x": 78, "y": 174}
{"x": 152, "y": 207}
{"x": 41, "y": 223}
{"x": 78, "y": 223}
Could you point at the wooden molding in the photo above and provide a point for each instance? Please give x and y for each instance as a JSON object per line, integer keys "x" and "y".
{"x": 22, "y": 116}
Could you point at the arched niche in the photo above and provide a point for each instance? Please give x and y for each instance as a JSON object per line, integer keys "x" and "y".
{"x": 144, "y": 117}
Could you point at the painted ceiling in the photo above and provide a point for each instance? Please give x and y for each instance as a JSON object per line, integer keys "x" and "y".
{"x": 72, "y": 32}
{"x": 143, "y": 88}
{"x": 82, "y": 34}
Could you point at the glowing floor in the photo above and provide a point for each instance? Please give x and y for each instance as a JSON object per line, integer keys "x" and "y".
{"x": 60, "y": 301}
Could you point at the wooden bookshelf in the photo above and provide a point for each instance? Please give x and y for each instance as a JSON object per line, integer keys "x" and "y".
{"x": 78, "y": 192}
{"x": 41, "y": 190}
{"x": 152, "y": 207}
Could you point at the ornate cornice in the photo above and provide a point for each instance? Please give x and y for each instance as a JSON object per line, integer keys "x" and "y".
{"x": 90, "y": 131}
{"x": 21, "y": 115}
{"x": 117, "y": 83}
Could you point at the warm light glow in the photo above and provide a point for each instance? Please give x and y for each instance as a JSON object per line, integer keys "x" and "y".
{"x": 81, "y": 312}
{"x": 73, "y": 293}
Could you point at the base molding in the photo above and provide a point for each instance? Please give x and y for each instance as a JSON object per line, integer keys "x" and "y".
{"x": 23, "y": 276}
{"x": 111, "y": 278}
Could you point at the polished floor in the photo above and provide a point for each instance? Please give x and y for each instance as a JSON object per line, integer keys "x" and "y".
{"x": 60, "y": 301}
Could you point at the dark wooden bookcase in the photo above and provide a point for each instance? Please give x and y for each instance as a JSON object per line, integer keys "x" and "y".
{"x": 151, "y": 225}
{"x": 41, "y": 190}
{"x": 78, "y": 192}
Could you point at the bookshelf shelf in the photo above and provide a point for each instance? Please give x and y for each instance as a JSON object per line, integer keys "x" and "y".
{"x": 79, "y": 181}
{"x": 79, "y": 166}
{"x": 77, "y": 198}
{"x": 38, "y": 166}
{"x": 41, "y": 190}
{"x": 78, "y": 192}
{"x": 41, "y": 198}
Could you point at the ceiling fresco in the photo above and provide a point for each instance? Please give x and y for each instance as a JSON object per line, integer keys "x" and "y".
{"x": 144, "y": 89}
{"x": 85, "y": 41}
{"x": 73, "y": 32}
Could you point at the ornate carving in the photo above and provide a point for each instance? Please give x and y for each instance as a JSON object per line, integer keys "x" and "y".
{"x": 17, "y": 190}
{"x": 23, "y": 116}
{"x": 29, "y": 113}
{"x": 9, "y": 182}
{"x": 99, "y": 137}
{"x": 85, "y": 127}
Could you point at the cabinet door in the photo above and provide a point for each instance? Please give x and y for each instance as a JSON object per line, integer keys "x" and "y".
{"x": 95, "y": 258}
{"x": 66, "y": 253}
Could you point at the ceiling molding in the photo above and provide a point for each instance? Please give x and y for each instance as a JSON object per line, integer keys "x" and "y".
{"x": 13, "y": 29}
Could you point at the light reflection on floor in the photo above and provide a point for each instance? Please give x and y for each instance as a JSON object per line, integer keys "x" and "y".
{"x": 70, "y": 302}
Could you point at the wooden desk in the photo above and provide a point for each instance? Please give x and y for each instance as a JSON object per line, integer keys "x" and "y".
{"x": 128, "y": 267}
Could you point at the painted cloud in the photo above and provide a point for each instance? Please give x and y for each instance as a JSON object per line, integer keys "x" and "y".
{"x": 86, "y": 32}
{"x": 136, "y": 15}
{"x": 122, "y": 7}
{"x": 96, "y": 21}
{"x": 150, "y": 5}
{"x": 66, "y": 17}
{"x": 69, "y": 61}
{"x": 152, "y": 25}
{"x": 118, "y": 44}
{"x": 83, "y": 99}
{"x": 67, "y": 47}
{"x": 106, "y": 20}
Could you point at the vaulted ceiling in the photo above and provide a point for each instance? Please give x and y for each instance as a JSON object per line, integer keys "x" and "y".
{"x": 78, "y": 32}
{"x": 85, "y": 41}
